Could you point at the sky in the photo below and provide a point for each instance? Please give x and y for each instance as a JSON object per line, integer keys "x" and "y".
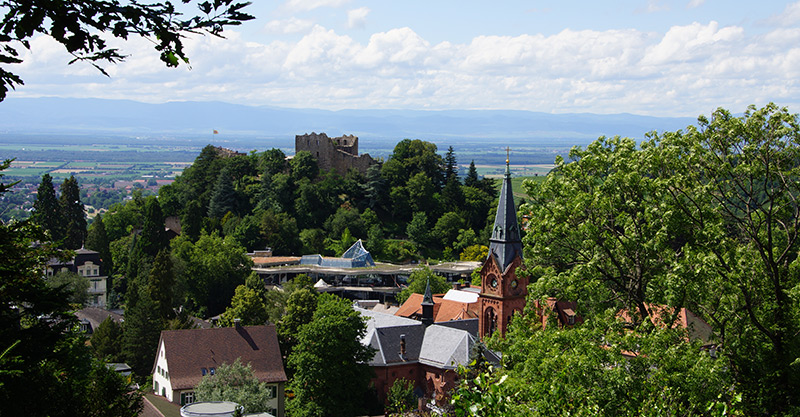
{"x": 657, "y": 57}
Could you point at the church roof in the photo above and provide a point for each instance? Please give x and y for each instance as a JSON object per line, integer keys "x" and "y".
{"x": 505, "y": 243}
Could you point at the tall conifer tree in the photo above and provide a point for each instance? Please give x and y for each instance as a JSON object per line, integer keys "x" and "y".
{"x": 46, "y": 210}
{"x": 153, "y": 237}
{"x": 72, "y": 216}
{"x": 97, "y": 240}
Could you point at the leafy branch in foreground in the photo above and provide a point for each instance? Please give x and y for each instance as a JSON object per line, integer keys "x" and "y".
{"x": 80, "y": 25}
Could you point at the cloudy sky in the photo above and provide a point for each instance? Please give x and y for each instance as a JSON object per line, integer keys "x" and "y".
{"x": 657, "y": 57}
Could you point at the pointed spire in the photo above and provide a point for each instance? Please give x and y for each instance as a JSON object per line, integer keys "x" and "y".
{"x": 505, "y": 243}
{"x": 428, "y": 297}
{"x": 427, "y": 305}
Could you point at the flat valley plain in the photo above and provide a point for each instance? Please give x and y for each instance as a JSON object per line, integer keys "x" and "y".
{"x": 109, "y": 159}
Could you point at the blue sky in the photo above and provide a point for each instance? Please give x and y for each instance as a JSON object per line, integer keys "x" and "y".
{"x": 661, "y": 58}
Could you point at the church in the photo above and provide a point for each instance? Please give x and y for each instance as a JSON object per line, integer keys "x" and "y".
{"x": 502, "y": 291}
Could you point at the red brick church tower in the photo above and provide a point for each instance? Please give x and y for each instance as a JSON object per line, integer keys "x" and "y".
{"x": 502, "y": 292}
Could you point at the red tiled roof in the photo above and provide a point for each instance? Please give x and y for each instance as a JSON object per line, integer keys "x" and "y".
{"x": 187, "y": 351}
{"x": 443, "y": 310}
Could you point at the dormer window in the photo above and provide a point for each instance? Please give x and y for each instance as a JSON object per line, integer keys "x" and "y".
{"x": 204, "y": 371}
{"x": 212, "y": 370}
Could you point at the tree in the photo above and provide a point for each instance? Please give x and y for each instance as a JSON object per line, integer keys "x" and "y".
{"x": 160, "y": 285}
{"x": 401, "y": 398}
{"x": 81, "y": 26}
{"x": 153, "y": 237}
{"x": 418, "y": 281}
{"x": 471, "y": 180}
{"x": 43, "y": 354}
{"x": 74, "y": 286}
{"x": 447, "y": 228}
{"x": 300, "y": 308}
{"x": 212, "y": 268}
{"x": 97, "y": 240}
{"x": 313, "y": 241}
{"x": 418, "y": 230}
{"x": 248, "y": 306}
{"x": 46, "y": 210}
{"x": 223, "y": 199}
{"x": 330, "y": 362}
{"x": 192, "y": 221}
{"x": 450, "y": 165}
{"x": 744, "y": 215}
{"x": 477, "y": 253}
{"x": 72, "y": 214}
{"x": 304, "y": 166}
{"x": 106, "y": 341}
{"x": 142, "y": 330}
{"x": 236, "y": 382}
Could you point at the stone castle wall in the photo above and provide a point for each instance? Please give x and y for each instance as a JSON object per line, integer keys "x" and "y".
{"x": 339, "y": 154}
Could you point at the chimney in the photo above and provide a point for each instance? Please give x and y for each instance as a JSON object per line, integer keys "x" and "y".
{"x": 237, "y": 323}
{"x": 456, "y": 285}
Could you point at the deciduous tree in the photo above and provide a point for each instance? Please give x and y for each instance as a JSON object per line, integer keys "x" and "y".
{"x": 82, "y": 27}
{"x": 330, "y": 362}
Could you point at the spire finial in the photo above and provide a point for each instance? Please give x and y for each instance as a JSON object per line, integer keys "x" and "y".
{"x": 508, "y": 150}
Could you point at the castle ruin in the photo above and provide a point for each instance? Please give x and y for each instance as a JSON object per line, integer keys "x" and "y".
{"x": 339, "y": 153}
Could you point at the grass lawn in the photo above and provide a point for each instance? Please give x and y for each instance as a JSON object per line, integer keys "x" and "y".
{"x": 167, "y": 408}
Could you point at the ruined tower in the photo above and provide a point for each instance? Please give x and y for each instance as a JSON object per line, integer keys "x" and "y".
{"x": 339, "y": 154}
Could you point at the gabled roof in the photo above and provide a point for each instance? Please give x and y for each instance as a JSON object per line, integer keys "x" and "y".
{"x": 662, "y": 315}
{"x": 187, "y": 351}
{"x": 445, "y": 347}
{"x": 443, "y": 309}
{"x": 505, "y": 243}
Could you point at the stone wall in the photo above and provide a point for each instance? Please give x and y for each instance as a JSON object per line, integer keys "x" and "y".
{"x": 339, "y": 153}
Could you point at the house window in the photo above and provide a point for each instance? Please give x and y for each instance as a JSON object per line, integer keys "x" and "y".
{"x": 187, "y": 397}
{"x": 273, "y": 411}
{"x": 273, "y": 391}
{"x": 212, "y": 370}
{"x": 158, "y": 369}
{"x": 204, "y": 371}
{"x": 166, "y": 375}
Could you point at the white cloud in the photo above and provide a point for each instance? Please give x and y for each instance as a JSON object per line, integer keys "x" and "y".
{"x": 686, "y": 70}
{"x": 306, "y": 5}
{"x": 357, "y": 18}
{"x": 291, "y": 25}
{"x": 693, "y": 4}
{"x": 789, "y": 17}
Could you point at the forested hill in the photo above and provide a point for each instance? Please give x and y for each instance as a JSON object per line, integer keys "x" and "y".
{"x": 37, "y": 115}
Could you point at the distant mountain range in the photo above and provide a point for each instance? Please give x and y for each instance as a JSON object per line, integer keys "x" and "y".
{"x": 243, "y": 125}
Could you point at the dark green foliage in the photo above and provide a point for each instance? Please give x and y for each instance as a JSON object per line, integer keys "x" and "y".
{"x": 123, "y": 218}
{"x": 73, "y": 286}
{"x": 303, "y": 166}
{"x": 223, "y": 199}
{"x": 45, "y": 367}
{"x": 73, "y": 217}
{"x": 300, "y": 307}
{"x": 419, "y": 230}
{"x": 450, "y": 165}
{"x": 46, "y": 209}
{"x": 330, "y": 362}
{"x": 192, "y": 220}
{"x": 471, "y": 180}
{"x": 160, "y": 285}
{"x": 153, "y": 237}
{"x": 84, "y": 27}
{"x": 97, "y": 240}
{"x": 313, "y": 241}
{"x": 106, "y": 341}
{"x": 401, "y": 397}
{"x": 272, "y": 161}
{"x": 447, "y": 228}
{"x": 280, "y": 232}
{"x": 345, "y": 218}
{"x": 452, "y": 195}
{"x": 419, "y": 280}
{"x": 142, "y": 329}
{"x": 211, "y": 269}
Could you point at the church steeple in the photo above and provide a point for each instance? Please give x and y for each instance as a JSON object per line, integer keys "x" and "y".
{"x": 505, "y": 243}
{"x": 427, "y": 305}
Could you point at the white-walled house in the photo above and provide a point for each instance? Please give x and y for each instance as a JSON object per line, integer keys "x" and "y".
{"x": 86, "y": 263}
{"x": 184, "y": 357}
